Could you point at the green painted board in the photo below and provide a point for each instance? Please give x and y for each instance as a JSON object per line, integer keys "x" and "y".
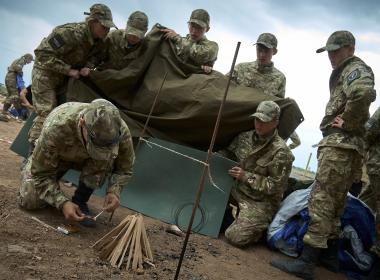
{"x": 164, "y": 184}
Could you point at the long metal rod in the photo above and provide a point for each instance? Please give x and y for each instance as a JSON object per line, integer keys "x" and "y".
{"x": 151, "y": 110}
{"x": 205, "y": 169}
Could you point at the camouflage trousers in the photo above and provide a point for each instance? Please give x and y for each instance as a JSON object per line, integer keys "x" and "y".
{"x": 13, "y": 95}
{"x": 337, "y": 168}
{"x": 34, "y": 196}
{"x": 253, "y": 219}
{"x": 375, "y": 183}
{"x": 45, "y": 86}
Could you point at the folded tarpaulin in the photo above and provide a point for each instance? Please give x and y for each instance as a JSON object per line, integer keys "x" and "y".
{"x": 189, "y": 100}
{"x": 290, "y": 224}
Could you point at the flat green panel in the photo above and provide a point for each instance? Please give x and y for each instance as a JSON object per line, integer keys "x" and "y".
{"x": 164, "y": 184}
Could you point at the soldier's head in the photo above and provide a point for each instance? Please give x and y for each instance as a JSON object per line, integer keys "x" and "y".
{"x": 340, "y": 46}
{"x": 267, "y": 116}
{"x": 137, "y": 26}
{"x": 99, "y": 20}
{"x": 28, "y": 58}
{"x": 266, "y": 47}
{"x": 101, "y": 127}
{"x": 199, "y": 24}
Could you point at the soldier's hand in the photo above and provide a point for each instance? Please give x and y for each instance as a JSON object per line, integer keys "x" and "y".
{"x": 207, "y": 69}
{"x": 74, "y": 73}
{"x": 85, "y": 71}
{"x": 111, "y": 202}
{"x": 72, "y": 212}
{"x": 237, "y": 172}
{"x": 169, "y": 33}
{"x": 338, "y": 122}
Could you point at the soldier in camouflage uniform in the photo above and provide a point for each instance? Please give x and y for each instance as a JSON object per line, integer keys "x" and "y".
{"x": 71, "y": 50}
{"x": 89, "y": 137}
{"x": 340, "y": 155}
{"x": 261, "y": 73}
{"x": 373, "y": 167}
{"x": 124, "y": 46}
{"x": 261, "y": 176}
{"x": 195, "y": 48}
{"x": 11, "y": 83}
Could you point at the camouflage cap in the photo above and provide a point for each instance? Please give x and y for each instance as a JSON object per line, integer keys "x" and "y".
{"x": 267, "y": 111}
{"x": 200, "y": 17}
{"x": 268, "y": 40}
{"x": 137, "y": 24}
{"x": 338, "y": 40}
{"x": 103, "y": 123}
{"x": 28, "y": 56}
{"x": 101, "y": 13}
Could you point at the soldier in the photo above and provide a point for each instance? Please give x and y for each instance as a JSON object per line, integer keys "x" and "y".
{"x": 373, "y": 167}
{"x": 11, "y": 84}
{"x": 195, "y": 48}
{"x": 71, "y": 50}
{"x": 340, "y": 155}
{"x": 125, "y": 45}
{"x": 261, "y": 176}
{"x": 261, "y": 73}
{"x": 89, "y": 137}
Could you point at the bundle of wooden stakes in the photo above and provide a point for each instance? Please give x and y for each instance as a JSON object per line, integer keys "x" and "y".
{"x": 128, "y": 239}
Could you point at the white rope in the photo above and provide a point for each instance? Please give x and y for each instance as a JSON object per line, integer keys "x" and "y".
{"x": 149, "y": 143}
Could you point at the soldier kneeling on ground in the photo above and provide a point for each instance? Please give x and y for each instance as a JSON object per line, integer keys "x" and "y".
{"x": 89, "y": 137}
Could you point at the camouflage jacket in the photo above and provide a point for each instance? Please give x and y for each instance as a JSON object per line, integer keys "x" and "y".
{"x": 203, "y": 52}
{"x": 373, "y": 143}
{"x": 69, "y": 46}
{"x": 266, "y": 78}
{"x": 61, "y": 146}
{"x": 119, "y": 54}
{"x": 267, "y": 162}
{"x": 351, "y": 93}
{"x": 17, "y": 65}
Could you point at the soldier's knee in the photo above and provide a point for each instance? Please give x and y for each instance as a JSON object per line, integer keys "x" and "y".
{"x": 237, "y": 237}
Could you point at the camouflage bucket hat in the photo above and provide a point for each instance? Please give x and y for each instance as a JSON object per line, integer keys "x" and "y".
{"x": 200, "y": 17}
{"x": 268, "y": 40}
{"x": 101, "y": 13}
{"x": 137, "y": 24}
{"x": 338, "y": 40}
{"x": 29, "y": 56}
{"x": 267, "y": 111}
{"x": 103, "y": 123}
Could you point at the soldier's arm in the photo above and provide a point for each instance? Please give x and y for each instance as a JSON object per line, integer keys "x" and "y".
{"x": 296, "y": 141}
{"x": 373, "y": 127}
{"x": 204, "y": 53}
{"x": 123, "y": 165}
{"x": 17, "y": 65}
{"x": 59, "y": 43}
{"x": 360, "y": 94}
{"x": 44, "y": 167}
{"x": 281, "y": 89}
{"x": 278, "y": 173}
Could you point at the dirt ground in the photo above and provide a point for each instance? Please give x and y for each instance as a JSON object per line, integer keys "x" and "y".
{"x": 30, "y": 251}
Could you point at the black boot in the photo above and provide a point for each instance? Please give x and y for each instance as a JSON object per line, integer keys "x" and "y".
{"x": 329, "y": 257}
{"x": 81, "y": 196}
{"x": 303, "y": 266}
{"x": 375, "y": 272}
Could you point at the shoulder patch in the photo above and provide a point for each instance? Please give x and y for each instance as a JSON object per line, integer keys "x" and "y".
{"x": 56, "y": 42}
{"x": 353, "y": 76}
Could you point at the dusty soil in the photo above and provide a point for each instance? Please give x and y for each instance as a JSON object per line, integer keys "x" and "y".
{"x": 45, "y": 254}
